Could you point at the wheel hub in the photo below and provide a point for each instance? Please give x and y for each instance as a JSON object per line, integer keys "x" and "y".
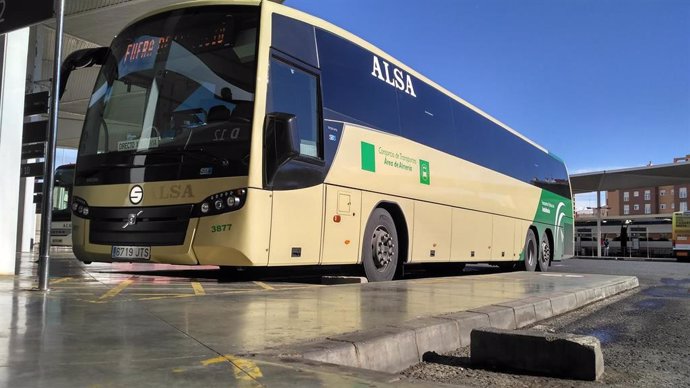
{"x": 545, "y": 251}
{"x": 382, "y": 247}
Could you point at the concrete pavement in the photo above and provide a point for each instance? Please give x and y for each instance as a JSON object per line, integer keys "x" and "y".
{"x": 121, "y": 324}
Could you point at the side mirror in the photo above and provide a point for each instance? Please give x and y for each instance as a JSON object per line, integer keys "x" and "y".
{"x": 281, "y": 142}
{"x": 81, "y": 59}
{"x": 282, "y": 130}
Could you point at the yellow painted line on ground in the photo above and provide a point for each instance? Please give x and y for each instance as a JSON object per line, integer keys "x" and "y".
{"x": 244, "y": 369}
{"x": 116, "y": 290}
{"x": 198, "y": 289}
{"x": 264, "y": 285}
{"x": 168, "y": 297}
{"x": 60, "y": 280}
{"x": 153, "y": 294}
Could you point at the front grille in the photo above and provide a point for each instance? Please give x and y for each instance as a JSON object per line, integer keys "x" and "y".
{"x": 154, "y": 226}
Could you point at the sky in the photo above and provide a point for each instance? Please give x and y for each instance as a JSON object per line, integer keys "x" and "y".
{"x": 603, "y": 84}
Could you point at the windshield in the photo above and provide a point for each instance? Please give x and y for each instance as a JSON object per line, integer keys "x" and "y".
{"x": 177, "y": 90}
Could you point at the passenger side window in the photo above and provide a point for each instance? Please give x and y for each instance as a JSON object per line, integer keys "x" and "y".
{"x": 294, "y": 91}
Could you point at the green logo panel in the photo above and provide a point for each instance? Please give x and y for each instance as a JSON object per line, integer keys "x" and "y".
{"x": 368, "y": 157}
{"x": 424, "y": 173}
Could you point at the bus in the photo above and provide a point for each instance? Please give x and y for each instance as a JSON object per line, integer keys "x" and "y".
{"x": 249, "y": 134}
{"x": 61, "y": 223}
{"x": 681, "y": 235}
{"x": 644, "y": 236}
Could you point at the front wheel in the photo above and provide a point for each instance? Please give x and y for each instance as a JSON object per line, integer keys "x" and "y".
{"x": 380, "y": 247}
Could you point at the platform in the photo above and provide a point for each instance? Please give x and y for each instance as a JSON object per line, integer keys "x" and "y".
{"x": 134, "y": 325}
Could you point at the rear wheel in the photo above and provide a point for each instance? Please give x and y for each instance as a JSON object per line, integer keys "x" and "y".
{"x": 530, "y": 252}
{"x": 380, "y": 247}
{"x": 545, "y": 254}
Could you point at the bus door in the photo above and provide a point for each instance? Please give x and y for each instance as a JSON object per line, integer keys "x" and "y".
{"x": 294, "y": 166}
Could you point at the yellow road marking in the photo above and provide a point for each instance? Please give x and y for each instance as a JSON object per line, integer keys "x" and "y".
{"x": 60, "y": 280}
{"x": 264, "y": 285}
{"x": 116, "y": 290}
{"x": 198, "y": 288}
{"x": 244, "y": 369}
{"x": 166, "y": 297}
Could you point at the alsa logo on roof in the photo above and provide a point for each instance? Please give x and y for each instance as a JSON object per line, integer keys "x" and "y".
{"x": 401, "y": 80}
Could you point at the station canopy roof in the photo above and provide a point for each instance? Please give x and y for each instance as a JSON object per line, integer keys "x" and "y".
{"x": 631, "y": 178}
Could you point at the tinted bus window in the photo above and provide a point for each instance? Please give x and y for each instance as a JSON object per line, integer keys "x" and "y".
{"x": 350, "y": 91}
{"x": 427, "y": 118}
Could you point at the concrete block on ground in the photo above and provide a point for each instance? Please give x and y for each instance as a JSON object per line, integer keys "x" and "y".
{"x": 563, "y": 302}
{"x": 387, "y": 349}
{"x": 559, "y": 355}
{"x": 434, "y": 334}
{"x": 499, "y": 317}
{"x": 332, "y": 280}
{"x": 466, "y": 322}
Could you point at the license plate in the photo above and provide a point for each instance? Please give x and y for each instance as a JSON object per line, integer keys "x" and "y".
{"x": 120, "y": 252}
{"x": 681, "y": 253}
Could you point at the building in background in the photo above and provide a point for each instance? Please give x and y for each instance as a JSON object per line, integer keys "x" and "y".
{"x": 650, "y": 200}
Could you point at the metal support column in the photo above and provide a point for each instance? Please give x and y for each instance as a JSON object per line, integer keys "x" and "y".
{"x": 49, "y": 175}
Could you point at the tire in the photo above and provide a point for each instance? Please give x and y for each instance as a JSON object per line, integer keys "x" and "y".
{"x": 380, "y": 247}
{"x": 545, "y": 253}
{"x": 530, "y": 252}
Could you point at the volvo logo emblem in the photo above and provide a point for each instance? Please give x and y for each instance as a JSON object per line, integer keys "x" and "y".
{"x": 132, "y": 219}
{"x": 136, "y": 194}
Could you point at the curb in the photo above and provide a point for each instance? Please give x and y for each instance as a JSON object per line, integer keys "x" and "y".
{"x": 398, "y": 346}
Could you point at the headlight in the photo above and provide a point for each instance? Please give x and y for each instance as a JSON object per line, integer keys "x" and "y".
{"x": 220, "y": 203}
{"x": 80, "y": 208}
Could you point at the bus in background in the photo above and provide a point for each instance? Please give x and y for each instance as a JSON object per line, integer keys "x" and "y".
{"x": 61, "y": 224}
{"x": 681, "y": 235}
{"x": 250, "y": 134}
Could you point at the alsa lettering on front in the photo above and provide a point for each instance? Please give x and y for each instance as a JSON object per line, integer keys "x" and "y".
{"x": 392, "y": 76}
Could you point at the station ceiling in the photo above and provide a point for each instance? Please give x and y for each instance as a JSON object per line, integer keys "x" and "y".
{"x": 631, "y": 178}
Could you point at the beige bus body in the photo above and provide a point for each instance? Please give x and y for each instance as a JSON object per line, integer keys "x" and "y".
{"x": 471, "y": 214}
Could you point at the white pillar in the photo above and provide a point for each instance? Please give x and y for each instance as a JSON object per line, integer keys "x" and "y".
{"x": 598, "y": 210}
{"x": 14, "y": 47}
{"x": 26, "y": 229}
